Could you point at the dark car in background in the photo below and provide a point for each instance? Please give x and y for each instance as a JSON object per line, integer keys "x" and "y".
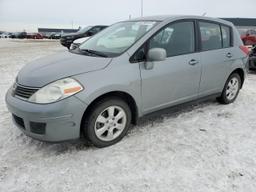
{"x": 55, "y": 36}
{"x": 48, "y": 35}
{"x": 67, "y": 40}
{"x": 19, "y": 35}
{"x": 252, "y": 59}
{"x": 34, "y": 36}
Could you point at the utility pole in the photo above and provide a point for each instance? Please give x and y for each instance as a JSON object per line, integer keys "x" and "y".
{"x": 141, "y": 6}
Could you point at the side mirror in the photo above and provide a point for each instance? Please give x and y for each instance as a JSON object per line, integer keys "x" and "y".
{"x": 155, "y": 54}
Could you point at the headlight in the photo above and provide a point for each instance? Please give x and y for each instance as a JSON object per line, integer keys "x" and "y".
{"x": 56, "y": 91}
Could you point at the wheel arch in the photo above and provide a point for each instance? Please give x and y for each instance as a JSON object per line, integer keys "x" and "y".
{"x": 120, "y": 94}
{"x": 241, "y": 73}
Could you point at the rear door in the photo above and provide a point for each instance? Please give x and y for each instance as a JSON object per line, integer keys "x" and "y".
{"x": 216, "y": 56}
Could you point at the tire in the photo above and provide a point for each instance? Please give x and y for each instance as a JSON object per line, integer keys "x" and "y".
{"x": 231, "y": 89}
{"x": 108, "y": 122}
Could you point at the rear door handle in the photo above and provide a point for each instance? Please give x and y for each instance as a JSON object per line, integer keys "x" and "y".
{"x": 229, "y": 55}
{"x": 193, "y": 62}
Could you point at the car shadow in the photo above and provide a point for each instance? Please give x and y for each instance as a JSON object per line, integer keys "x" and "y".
{"x": 252, "y": 72}
{"x": 151, "y": 119}
{"x": 172, "y": 112}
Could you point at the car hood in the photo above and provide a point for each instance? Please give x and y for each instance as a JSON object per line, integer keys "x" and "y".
{"x": 43, "y": 71}
{"x": 77, "y": 34}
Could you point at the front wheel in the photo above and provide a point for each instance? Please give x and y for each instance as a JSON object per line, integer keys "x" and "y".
{"x": 108, "y": 122}
{"x": 231, "y": 89}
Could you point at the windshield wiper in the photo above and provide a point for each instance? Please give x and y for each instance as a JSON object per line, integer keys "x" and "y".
{"x": 93, "y": 52}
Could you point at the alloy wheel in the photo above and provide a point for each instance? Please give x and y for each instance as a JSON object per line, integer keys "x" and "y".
{"x": 110, "y": 123}
{"x": 232, "y": 88}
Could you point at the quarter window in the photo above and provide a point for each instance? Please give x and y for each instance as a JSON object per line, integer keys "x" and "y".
{"x": 210, "y": 36}
{"x": 176, "y": 39}
{"x": 226, "y": 36}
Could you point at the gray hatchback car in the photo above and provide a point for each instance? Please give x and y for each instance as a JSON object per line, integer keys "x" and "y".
{"x": 130, "y": 69}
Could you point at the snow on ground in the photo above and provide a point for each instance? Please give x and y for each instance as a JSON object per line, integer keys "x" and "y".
{"x": 205, "y": 148}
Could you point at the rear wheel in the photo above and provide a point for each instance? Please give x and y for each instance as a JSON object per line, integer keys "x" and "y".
{"x": 108, "y": 122}
{"x": 231, "y": 89}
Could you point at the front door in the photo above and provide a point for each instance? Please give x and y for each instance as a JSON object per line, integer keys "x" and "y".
{"x": 176, "y": 79}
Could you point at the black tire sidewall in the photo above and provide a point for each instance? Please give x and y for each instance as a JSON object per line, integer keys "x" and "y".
{"x": 88, "y": 126}
{"x": 224, "y": 98}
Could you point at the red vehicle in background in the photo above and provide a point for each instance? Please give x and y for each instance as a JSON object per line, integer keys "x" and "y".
{"x": 34, "y": 36}
{"x": 249, "y": 38}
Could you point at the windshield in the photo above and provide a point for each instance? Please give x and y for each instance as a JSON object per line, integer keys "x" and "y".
{"x": 117, "y": 38}
{"x": 85, "y": 29}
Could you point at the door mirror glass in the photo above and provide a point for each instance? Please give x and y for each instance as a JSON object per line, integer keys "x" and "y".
{"x": 156, "y": 54}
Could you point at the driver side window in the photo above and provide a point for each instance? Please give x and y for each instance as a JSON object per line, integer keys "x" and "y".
{"x": 176, "y": 39}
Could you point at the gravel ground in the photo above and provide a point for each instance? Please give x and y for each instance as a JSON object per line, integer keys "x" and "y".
{"x": 207, "y": 147}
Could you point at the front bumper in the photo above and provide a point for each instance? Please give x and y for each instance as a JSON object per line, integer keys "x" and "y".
{"x": 66, "y": 42}
{"x": 74, "y": 46}
{"x": 55, "y": 122}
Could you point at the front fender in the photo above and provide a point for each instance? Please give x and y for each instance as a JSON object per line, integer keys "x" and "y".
{"x": 123, "y": 78}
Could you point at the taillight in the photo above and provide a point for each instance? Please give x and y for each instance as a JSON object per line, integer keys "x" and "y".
{"x": 244, "y": 49}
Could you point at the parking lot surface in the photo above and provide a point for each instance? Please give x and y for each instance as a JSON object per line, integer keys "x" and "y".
{"x": 206, "y": 147}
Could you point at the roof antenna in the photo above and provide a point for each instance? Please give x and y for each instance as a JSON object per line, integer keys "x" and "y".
{"x": 141, "y": 8}
{"x": 204, "y": 14}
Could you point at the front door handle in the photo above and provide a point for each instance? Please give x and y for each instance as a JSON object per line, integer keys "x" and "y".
{"x": 228, "y": 55}
{"x": 193, "y": 62}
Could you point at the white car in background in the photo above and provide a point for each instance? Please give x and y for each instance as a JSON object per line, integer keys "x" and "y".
{"x": 78, "y": 42}
{"x": 5, "y": 35}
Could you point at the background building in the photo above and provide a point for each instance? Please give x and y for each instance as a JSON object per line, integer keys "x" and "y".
{"x": 243, "y": 24}
{"x": 49, "y": 31}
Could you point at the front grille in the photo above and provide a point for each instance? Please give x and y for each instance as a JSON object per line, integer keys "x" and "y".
{"x": 23, "y": 92}
{"x": 19, "y": 121}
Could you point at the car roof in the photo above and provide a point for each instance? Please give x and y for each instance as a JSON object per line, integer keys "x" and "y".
{"x": 155, "y": 18}
{"x": 98, "y": 26}
{"x": 174, "y": 17}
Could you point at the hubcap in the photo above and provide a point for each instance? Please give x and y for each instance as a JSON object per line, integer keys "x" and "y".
{"x": 110, "y": 123}
{"x": 232, "y": 88}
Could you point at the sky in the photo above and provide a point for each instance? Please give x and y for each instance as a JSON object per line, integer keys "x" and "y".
{"x": 19, "y": 15}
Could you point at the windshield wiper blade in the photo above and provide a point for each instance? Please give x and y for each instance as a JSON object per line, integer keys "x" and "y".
{"x": 97, "y": 53}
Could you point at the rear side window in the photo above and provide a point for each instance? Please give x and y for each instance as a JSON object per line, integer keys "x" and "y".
{"x": 210, "y": 36}
{"x": 176, "y": 39}
{"x": 226, "y": 32}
